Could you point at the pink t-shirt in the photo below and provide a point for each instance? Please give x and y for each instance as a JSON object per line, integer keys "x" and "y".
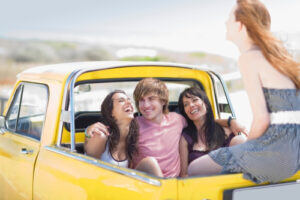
{"x": 161, "y": 141}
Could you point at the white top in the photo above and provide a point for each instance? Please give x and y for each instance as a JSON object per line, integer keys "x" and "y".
{"x": 107, "y": 157}
{"x": 285, "y": 117}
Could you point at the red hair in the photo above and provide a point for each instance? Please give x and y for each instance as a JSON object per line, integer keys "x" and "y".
{"x": 254, "y": 15}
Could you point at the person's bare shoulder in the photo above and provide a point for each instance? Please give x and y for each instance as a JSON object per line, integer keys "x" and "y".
{"x": 251, "y": 60}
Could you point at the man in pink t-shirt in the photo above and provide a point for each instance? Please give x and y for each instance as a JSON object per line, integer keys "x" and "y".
{"x": 160, "y": 130}
{"x": 161, "y": 141}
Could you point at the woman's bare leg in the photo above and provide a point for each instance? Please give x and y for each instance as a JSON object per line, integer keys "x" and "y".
{"x": 150, "y": 165}
{"x": 239, "y": 139}
{"x": 204, "y": 166}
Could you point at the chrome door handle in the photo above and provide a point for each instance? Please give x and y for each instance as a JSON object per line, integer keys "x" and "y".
{"x": 26, "y": 151}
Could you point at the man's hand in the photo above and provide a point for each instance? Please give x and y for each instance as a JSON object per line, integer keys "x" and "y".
{"x": 97, "y": 128}
{"x": 237, "y": 128}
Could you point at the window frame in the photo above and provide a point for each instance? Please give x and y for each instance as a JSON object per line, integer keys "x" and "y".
{"x": 20, "y": 88}
{"x": 112, "y": 80}
{"x": 216, "y": 77}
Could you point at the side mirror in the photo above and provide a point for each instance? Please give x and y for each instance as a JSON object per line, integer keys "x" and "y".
{"x": 2, "y": 122}
{"x": 83, "y": 88}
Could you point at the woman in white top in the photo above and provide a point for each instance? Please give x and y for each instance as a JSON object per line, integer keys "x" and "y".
{"x": 121, "y": 145}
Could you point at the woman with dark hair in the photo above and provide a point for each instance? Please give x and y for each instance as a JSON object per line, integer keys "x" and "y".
{"x": 202, "y": 134}
{"x": 120, "y": 146}
{"x": 272, "y": 80}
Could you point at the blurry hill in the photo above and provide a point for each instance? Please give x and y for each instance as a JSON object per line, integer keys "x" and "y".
{"x": 17, "y": 55}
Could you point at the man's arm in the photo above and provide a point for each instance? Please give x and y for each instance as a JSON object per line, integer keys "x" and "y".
{"x": 183, "y": 152}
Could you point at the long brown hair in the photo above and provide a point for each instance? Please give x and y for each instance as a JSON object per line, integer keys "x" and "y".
{"x": 214, "y": 135}
{"x": 114, "y": 137}
{"x": 254, "y": 15}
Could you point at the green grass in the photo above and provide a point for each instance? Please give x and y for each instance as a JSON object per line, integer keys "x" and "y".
{"x": 141, "y": 58}
{"x": 198, "y": 54}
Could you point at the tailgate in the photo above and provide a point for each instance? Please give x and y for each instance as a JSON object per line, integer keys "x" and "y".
{"x": 233, "y": 187}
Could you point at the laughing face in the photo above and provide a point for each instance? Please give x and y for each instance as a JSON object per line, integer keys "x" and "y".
{"x": 194, "y": 107}
{"x": 122, "y": 107}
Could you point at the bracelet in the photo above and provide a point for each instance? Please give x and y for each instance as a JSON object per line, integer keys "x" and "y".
{"x": 229, "y": 120}
{"x": 86, "y": 134}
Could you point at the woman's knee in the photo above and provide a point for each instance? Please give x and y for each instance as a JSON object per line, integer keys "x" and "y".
{"x": 150, "y": 165}
{"x": 239, "y": 139}
{"x": 203, "y": 166}
{"x": 192, "y": 168}
{"x": 149, "y": 160}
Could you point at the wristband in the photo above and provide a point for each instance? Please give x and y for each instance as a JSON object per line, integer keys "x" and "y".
{"x": 86, "y": 134}
{"x": 229, "y": 120}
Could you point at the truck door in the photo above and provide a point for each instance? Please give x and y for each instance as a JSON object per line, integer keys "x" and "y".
{"x": 20, "y": 140}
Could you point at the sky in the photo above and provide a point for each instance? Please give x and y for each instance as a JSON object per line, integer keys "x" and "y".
{"x": 181, "y": 25}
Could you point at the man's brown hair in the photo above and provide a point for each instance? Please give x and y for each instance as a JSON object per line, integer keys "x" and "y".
{"x": 152, "y": 85}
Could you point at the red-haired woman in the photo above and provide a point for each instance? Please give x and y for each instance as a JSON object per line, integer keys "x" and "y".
{"x": 272, "y": 80}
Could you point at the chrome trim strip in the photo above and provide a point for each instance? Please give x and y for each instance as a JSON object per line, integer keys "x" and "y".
{"x": 72, "y": 109}
{"x": 97, "y": 163}
{"x": 64, "y": 100}
{"x": 215, "y": 95}
{"x": 226, "y": 92}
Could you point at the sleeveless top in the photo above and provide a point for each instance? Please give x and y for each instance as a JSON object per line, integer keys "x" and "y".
{"x": 107, "y": 157}
{"x": 193, "y": 154}
{"x": 275, "y": 155}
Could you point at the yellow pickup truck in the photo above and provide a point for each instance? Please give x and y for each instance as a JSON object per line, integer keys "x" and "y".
{"x": 42, "y": 136}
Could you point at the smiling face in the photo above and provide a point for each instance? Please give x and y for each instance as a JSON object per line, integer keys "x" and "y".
{"x": 154, "y": 88}
{"x": 122, "y": 107}
{"x": 151, "y": 107}
{"x": 194, "y": 107}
